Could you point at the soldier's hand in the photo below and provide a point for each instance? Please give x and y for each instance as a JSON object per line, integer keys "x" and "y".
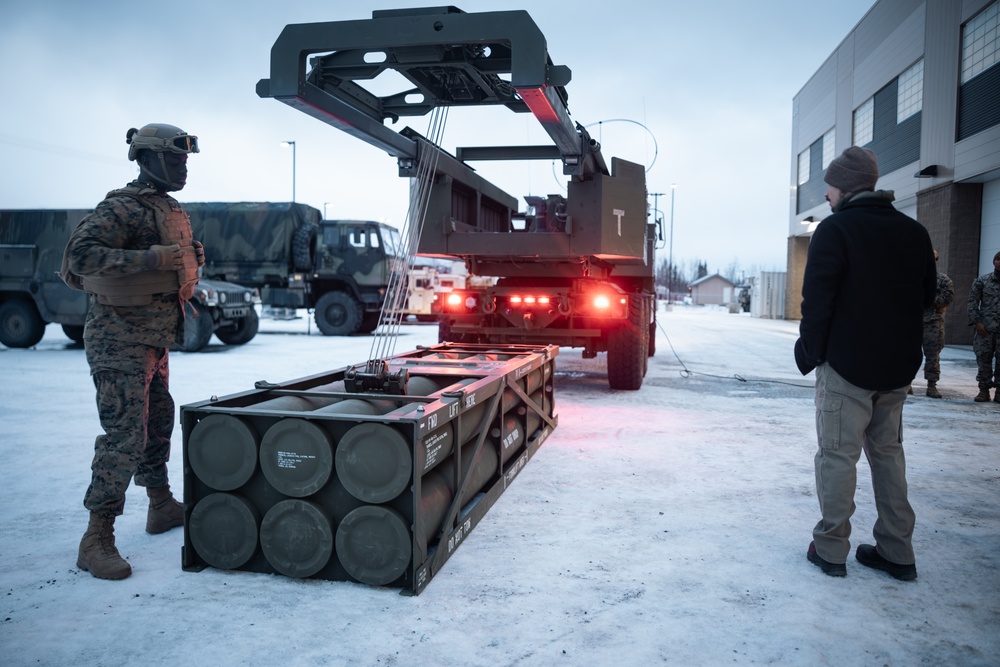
{"x": 199, "y": 251}
{"x": 981, "y": 329}
{"x": 165, "y": 258}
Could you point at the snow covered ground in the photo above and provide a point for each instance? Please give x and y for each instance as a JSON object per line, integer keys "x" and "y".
{"x": 665, "y": 526}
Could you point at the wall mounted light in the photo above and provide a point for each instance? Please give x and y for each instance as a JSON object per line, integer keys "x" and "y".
{"x": 928, "y": 172}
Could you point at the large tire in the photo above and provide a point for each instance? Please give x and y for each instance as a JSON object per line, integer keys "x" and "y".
{"x": 338, "y": 314}
{"x": 20, "y": 324}
{"x": 628, "y": 347}
{"x": 243, "y": 332}
{"x": 644, "y": 328}
{"x": 369, "y": 322}
{"x": 303, "y": 242}
{"x": 74, "y": 332}
{"x": 198, "y": 327}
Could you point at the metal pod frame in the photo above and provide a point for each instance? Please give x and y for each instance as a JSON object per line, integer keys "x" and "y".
{"x": 305, "y": 479}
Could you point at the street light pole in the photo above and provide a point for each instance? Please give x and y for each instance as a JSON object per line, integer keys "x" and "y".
{"x": 670, "y": 260}
{"x": 292, "y": 144}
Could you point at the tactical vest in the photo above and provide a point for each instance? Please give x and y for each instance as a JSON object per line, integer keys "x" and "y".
{"x": 137, "y": 289}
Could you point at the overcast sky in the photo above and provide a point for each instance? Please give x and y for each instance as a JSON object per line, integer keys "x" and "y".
{"x": 714, "y": 92}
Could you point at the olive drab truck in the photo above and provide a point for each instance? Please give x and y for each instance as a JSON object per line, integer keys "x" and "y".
{"x": 33, "y": 295}
{"x": 338, "y": 268}
{"x": 577, "y": 269}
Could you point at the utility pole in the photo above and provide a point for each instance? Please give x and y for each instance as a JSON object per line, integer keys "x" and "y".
{"x": 292, "y": 144}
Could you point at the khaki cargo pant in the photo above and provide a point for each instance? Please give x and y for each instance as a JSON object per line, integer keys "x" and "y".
{"x": 850, "y": 420}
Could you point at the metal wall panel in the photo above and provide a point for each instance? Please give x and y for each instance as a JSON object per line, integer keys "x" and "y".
{"x": 989, "y": 239}
{"x": 902, "y": 45}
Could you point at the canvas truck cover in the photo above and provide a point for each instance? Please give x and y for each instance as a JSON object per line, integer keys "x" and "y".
{"x": 31, "y": 249}
{"x": 254, "y": 243}
{"x": 34, "y": 241}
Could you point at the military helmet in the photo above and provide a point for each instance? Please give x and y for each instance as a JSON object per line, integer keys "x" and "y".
{"x": 161, "y": 138}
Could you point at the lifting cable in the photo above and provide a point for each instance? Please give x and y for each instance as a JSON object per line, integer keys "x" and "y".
{"x": 397, "y": 291}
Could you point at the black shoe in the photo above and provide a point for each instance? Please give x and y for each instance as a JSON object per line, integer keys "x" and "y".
{"x": 868, "y": 556}
{"x": 831, "y": 569}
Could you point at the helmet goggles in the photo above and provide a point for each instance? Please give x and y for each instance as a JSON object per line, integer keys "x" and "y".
{"x": 160, "y": 138}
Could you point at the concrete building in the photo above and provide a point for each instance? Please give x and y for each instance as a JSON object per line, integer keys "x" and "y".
{"x": 713, "y": 290}
{"x": 918, "y": 82}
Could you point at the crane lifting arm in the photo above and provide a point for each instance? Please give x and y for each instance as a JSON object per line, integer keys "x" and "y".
{"x": 451, "y": 57}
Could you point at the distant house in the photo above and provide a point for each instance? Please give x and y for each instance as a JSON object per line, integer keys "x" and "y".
{"x": 712, "y": 290}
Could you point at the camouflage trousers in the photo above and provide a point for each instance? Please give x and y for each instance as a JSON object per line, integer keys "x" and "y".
{"x": 933, "y": 343}
{"x": 987, "y": 349}
{"x": 137, "y": 415}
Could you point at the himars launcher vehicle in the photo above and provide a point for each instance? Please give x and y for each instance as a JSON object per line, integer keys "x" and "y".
{"x": 578, "y": 270}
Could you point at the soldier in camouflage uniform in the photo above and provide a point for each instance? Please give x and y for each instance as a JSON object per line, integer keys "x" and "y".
{"x": 984, "y": 315}
{"x": 135, "y": 256}
{"x": 934, "y": 331}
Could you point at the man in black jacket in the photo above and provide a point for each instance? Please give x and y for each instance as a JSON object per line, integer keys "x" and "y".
{"x": 869, "y": 275}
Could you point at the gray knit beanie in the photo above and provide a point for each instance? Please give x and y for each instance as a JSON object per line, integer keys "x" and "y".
{"x": 856, "y": 170}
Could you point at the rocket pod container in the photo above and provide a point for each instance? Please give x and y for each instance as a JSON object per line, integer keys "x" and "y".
{"x": 305, "y": 479}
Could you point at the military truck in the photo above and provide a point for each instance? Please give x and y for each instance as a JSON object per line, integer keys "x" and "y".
{"x": 576, "y": 270}
{"x": 339, "y": 268}
{"x": 32, "y": 294}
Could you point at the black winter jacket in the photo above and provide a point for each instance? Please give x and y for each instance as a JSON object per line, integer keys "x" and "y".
{"x": 869, "y": 275}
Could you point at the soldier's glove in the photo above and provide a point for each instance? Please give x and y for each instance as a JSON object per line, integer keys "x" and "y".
{"x": 199, "y": 251}
{"x": 165, "y": 258}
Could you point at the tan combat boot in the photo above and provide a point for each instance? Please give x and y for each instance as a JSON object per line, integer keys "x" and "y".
{"x": 98, "y": 554}
{"x": 932, "y": 390}
{"x": 164, "y": 512}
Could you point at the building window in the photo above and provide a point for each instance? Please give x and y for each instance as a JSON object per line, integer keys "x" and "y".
{"x": 864, "y": 122}
{"x": 910, "y": 92}
{"x": 828, "y": 147}
{"x": 980, "y": 43}
{"x": 804, "y": 167}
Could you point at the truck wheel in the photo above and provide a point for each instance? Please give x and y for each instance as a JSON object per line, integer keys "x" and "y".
{"x": 242, "y": 332}
{"x": 303, "y": 241}
{"x": 628, "y": 349}
{"x": 644, "y": 330}
{"x": 20, "y": 324}
{"x": 197, "y": 330}
{"x": 369, "y": 322}
{"x": 338, "y": 314}
{"x": 74, "y": 332}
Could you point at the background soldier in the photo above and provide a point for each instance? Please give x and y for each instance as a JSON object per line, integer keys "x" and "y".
{"x": 984, "y": 315}
{"x": 135, "y": 256}
{"x": 934, "y": 331}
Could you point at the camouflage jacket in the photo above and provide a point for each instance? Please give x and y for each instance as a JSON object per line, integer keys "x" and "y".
{"x": 943, "y": 297}
{"x": 984, "y": 301}
{"x": 112, "y": 241}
